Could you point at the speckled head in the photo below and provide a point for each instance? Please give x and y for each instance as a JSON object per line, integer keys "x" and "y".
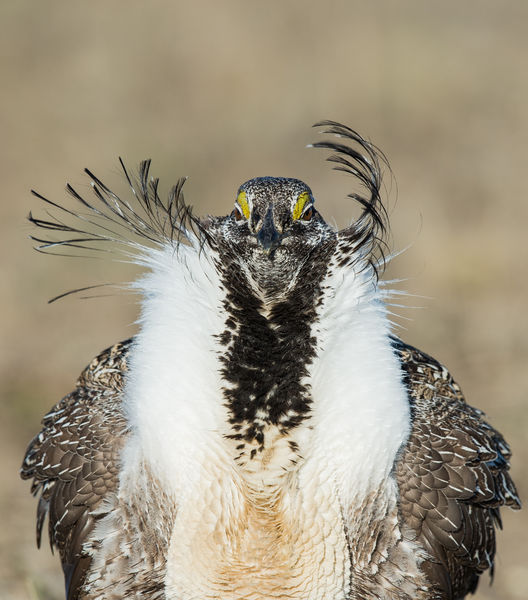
{"x": 282, "y": 199}
{"x": 272, "y": 213}
{"x": 273, "y": 230}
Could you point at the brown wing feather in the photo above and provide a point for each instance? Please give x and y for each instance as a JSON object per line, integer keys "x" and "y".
{"x": 452, "y": 476}
{"x": 73, "y": 461}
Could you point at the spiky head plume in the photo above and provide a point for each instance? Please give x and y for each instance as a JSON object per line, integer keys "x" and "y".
{"x": 147, "y": 220}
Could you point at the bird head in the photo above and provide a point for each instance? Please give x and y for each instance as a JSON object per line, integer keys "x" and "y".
{"x": 272, "y": 232}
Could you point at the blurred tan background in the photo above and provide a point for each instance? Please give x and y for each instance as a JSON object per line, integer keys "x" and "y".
{"x": 225, "y": 91}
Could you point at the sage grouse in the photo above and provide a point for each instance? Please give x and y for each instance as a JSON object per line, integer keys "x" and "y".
{"x": 264, "y": 435}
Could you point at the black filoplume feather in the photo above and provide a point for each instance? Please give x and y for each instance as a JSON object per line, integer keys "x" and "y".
{"x": 111, "y": 223}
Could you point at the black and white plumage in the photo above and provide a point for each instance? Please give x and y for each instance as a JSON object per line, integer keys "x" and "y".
{"x": 264, "y": 435}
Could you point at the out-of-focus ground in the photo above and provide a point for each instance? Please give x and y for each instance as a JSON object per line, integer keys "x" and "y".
{"x": 225, "y": 91}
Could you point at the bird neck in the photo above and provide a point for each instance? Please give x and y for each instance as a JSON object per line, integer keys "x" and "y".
{"x": 268, "y": 347}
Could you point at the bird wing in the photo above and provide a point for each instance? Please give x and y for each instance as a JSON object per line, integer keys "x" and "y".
{"x": 452, "y": 476}
{"x": 74, "y": 460}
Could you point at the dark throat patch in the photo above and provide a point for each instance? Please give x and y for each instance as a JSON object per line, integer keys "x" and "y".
{"x": 269, "y": 349}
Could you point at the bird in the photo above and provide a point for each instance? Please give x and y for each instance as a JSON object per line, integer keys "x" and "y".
{"x": 265, "y": 434}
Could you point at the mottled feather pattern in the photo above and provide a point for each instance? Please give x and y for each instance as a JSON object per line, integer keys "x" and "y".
{"x": 73, "y": 461}
{"x": 453, "y": 476}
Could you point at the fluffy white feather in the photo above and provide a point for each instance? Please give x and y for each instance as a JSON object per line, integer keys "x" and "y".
{"x": 360, "y": 406}
{"x": 173, "y": 396}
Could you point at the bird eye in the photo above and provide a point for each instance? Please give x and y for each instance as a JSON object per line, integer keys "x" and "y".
{"x": 238, "y": 214}
{"x": 304, "y": 203}
{"x": 308, "y": 214}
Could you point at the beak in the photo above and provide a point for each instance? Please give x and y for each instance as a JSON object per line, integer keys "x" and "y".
{"x": 268, "y": 237}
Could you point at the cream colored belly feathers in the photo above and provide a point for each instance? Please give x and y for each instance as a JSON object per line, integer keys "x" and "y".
{"x": 278, "y": 533}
